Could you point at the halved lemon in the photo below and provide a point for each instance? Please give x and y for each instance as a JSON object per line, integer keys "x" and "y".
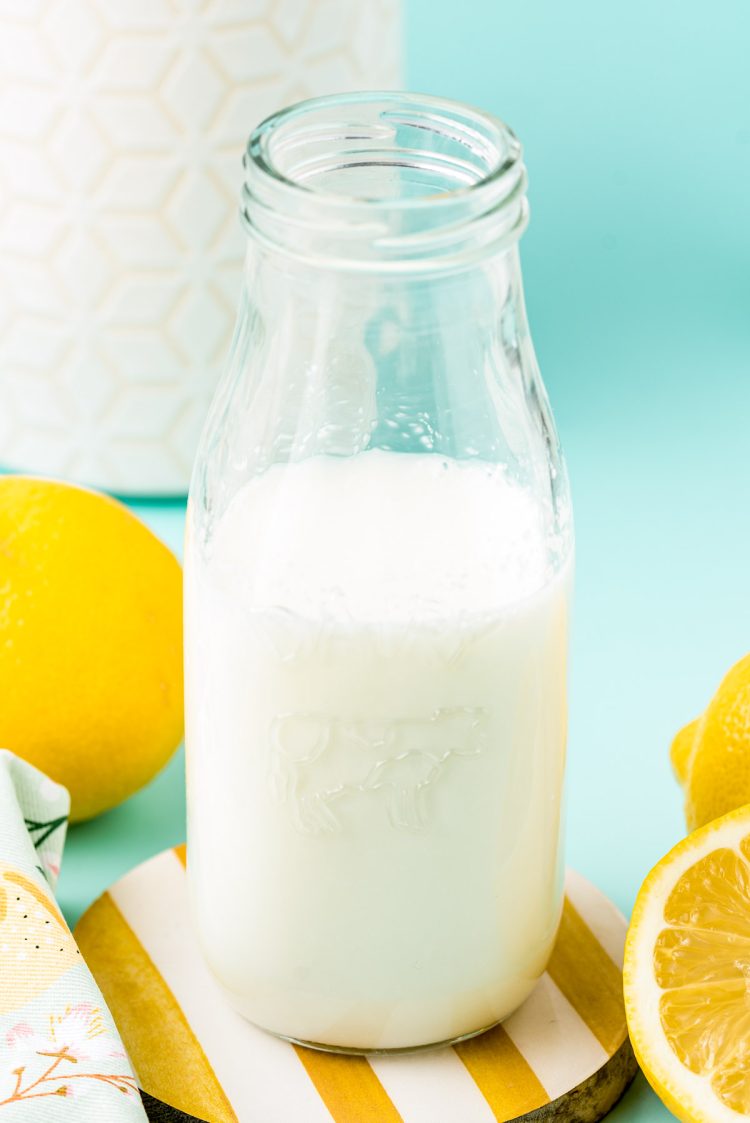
{"x": 687, "y": 974}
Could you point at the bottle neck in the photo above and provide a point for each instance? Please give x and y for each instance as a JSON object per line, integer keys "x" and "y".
{"x": 411, "y": 363}
{"x": 384, "y": 184}
{"x": 382, "y": 305}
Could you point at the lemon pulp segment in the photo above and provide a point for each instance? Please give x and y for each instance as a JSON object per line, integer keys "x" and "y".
{"x": 701, "y": 963}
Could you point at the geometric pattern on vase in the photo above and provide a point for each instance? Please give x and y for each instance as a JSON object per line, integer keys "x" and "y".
{"x": 122, "y": 127}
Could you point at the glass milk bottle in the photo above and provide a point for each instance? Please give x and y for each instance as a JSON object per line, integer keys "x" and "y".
{"x": 378, "y": 568}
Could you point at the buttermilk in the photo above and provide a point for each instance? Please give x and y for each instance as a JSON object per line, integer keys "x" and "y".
{"x": 376, "y": 656}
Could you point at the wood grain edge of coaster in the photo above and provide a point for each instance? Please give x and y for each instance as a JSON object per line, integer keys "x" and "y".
{"x": 594, "y": 1097}
{"x": 159, "y": 1112}
{"x": 589, "y": 1102}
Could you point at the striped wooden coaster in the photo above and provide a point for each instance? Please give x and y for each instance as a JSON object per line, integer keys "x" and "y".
{"x": 564, "y": 1055}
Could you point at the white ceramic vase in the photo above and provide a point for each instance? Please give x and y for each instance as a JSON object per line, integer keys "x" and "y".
{"x": 122, "y": 126}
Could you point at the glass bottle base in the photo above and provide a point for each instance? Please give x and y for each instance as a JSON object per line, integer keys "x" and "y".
{"x": 346, "y": 1051}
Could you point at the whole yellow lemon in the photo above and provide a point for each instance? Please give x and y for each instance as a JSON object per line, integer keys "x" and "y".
{"x": 711, "y": 755}
{"x": 90, "y": 641}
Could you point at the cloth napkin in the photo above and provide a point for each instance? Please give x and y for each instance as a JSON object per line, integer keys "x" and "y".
{"x": 60, "y": 1055}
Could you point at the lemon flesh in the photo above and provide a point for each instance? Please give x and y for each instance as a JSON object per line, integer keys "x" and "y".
{"x": 687, "y": 974}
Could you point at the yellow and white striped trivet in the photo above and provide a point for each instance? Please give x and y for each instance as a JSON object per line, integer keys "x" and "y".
{"x": 564, "y": 1055}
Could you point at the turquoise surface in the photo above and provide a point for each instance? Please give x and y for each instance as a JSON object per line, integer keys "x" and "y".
{"x": 636, "y": 123}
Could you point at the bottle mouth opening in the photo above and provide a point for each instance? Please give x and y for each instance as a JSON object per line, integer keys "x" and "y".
{"x": 402, "y": 175}
{"x": 387, "y": 150}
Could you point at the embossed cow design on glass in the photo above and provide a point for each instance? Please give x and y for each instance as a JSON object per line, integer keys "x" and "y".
{"x": 317, "y": 760}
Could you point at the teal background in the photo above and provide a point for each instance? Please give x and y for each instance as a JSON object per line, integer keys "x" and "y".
{"x": 636, "y": 124}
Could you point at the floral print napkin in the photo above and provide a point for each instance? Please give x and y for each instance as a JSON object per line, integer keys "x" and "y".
{"x": 60, "y": 1055}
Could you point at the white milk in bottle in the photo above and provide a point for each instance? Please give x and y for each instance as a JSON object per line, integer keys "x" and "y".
{"x": 384, "y": 683}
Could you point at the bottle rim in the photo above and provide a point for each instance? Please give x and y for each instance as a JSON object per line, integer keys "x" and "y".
{"x": 384, "y": 180}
